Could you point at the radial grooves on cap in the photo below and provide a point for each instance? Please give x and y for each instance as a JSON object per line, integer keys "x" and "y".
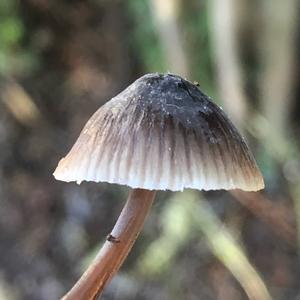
{"x": 220, "y": 159}
{"x": 214, "y": 156}
{"x": 223, "y": 158}
{"x": 151, "y": 146}
{"x": 171, "y": 157}
{"x": 122, "y": 145}
{"x": 138, "y": 166}
{"x": 90, "y": 169}
{"x": 187, "y": 164}
{"x": 180, "y": 157}
{"x": 232, "y": 167}
{"x": 226, "y": 150}
{"x": 158, "y": 175}
{"x": 172, "y": 140}
{"x": 108, "y": 150}
{"x": 201, "y": 150}
{"x": 95, "y": 158}
{"x": 130, "y": 151}
{"x": 160, "y": 130}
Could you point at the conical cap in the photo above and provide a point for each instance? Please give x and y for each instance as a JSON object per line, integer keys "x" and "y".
{"x": 162, "y": 133}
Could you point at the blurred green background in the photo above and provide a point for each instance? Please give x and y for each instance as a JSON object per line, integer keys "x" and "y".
{"x": 61, "y": 60}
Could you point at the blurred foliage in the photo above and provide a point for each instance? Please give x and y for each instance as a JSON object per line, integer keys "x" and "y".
{"x": 195, "y": 30}
{"x": 185, "y": 217}
{"x": 14, "y": 58}
{"x": 176, "y": 231}
{"x": 61, "y": 60}
{"x": 144, "y": 38}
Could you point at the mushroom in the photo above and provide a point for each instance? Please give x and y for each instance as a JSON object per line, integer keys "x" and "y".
{"x": 161, "y": 133}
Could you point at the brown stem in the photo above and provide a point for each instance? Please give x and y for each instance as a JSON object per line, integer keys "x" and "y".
{"x": 115, "y": 249}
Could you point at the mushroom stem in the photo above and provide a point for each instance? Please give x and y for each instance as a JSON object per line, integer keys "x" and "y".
{"x": 115, "y": 249}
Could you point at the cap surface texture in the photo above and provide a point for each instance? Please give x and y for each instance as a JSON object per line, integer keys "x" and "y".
{"x": 162, "y": 133}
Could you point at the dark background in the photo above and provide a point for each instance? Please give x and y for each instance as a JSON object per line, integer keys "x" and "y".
{"x": 61, "y": 60}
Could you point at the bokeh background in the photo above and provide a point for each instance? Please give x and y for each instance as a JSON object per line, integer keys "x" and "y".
{"x": 60, "y": 60}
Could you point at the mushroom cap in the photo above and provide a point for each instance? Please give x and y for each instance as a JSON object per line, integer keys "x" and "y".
{"x": 162, "y": 133}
